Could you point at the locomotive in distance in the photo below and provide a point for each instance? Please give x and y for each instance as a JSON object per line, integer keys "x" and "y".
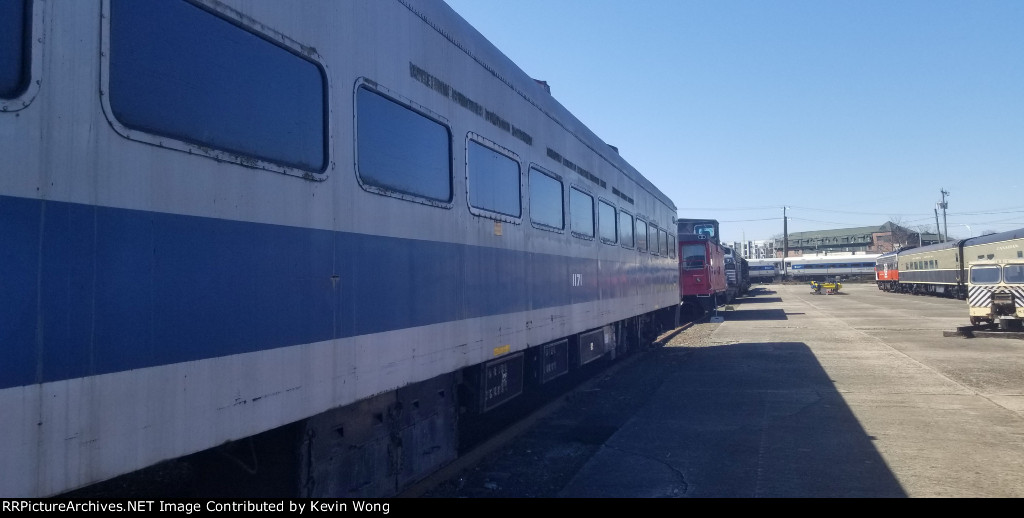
{"x": 987, "y": 271}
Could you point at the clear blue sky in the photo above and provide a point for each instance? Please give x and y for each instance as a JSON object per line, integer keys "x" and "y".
{"x": 848, "y": 113}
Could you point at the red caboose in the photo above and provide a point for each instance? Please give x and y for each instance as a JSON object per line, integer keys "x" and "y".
{"x": 702, "y": 281}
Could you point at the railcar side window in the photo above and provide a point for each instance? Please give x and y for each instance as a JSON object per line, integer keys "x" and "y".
{"x": 180, "y": 71}
{"x": 671, "y": 245}
{"x": 607, "y": 222}
{"x": 641, "y": 235}
{"x": 693, "y": 257}
{"x": 581, "y": 213}
{"x": 493, "y": 180}
{"x": 546, "y": 193}
{"x": 401, "y": 150}
{"x": 1013, "y": 274}
{"x": 15, "y": 41}
{"x": 14, "y": 44}
{"x": 626, "y": 229}
{"x": 984, "y": 274}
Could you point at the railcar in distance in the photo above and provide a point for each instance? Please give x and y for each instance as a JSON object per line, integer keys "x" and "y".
{"x": 764, "y": 270}
{"x": 887, "y": 273}
{"x": 995, "y": 279}
{"x": 933, "y": 270}
{"x": 702, "y": 278}
{"x": 737, "y": 274}
{"x": 828, "y": 267}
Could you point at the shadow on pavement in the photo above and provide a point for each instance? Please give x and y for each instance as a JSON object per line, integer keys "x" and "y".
{"x": 740, "y": 421}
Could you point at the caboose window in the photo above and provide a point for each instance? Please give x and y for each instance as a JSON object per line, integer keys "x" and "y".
{"x": 693, "y": 257}
{"x": 493, "y": 180}
{"x": 180, "y": 71}
{"x": 705, "y": 229}
{"x": 626, "y": 229}
{"x": 546, "y": 200}
{"x": 581, "y": 213}
{"x": 401, "y": 150}
{"x": 607, "y": 222}
{"x": 15, "y": 29}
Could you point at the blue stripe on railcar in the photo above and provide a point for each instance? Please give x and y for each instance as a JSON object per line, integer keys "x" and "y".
{"x": 930, "y": 276}
{"x": 19, "y": 231}
{"x": 113, "y": 289}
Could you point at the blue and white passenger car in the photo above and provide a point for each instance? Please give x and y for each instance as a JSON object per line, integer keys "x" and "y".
{"x": 765, "y": 270}
{"x": 347, "y": 220}
{"x": 828, "y": 267}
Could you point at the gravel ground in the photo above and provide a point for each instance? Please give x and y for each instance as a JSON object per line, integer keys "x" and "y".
{"x": 543, "y": 458}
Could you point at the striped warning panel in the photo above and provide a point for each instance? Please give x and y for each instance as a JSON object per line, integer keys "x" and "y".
{"x": 981, "y": 296}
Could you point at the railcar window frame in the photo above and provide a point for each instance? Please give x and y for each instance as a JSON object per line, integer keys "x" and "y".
{"x": 645, "y": 246}
{"x": 978, "y": 269}
{"x": 15, "y": 47}
{"x": 24, "y": 76}
{"x": 624, "y": 229}
{"x": 687, "y": 260}
{"x": 293, "y": 138}
{"x": 602, "y": 228}
{"x": 478, "y": 186}
{"x": 581, "y": 214}
{"x": 442, "y": 195}
{"x": 1017, "y": 275}
{"x": 652, "y": 238}
{"x": 538, "y": 195}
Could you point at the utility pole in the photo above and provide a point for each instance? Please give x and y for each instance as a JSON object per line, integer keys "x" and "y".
{"x": 938, "y": 229}
{"x": 945, "y": 228}
{"x": 785, "y": 241}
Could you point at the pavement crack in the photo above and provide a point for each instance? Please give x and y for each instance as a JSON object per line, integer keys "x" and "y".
{"x": 674, "y": 492}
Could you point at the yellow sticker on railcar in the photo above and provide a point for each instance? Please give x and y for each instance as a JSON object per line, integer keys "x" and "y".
{"x": 498, "y": 351}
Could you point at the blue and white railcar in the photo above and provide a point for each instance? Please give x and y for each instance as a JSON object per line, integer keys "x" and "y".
{"x": 827, "y": 267}
{"x": 221, "y": 217}
{"x": 764, "y": 270}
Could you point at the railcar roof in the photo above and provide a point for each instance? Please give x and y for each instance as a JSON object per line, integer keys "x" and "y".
{"x": 995, "y": 238}
{"x": 931, "y": 248}
{"x": 464, "y": 36}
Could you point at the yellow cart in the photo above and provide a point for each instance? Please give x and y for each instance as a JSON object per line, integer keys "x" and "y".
{"x": 830, "y": 288}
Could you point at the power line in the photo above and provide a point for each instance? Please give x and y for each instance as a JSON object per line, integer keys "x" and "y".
{"x": 747, "y": 220}
{"x": 1008, "y": 210}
